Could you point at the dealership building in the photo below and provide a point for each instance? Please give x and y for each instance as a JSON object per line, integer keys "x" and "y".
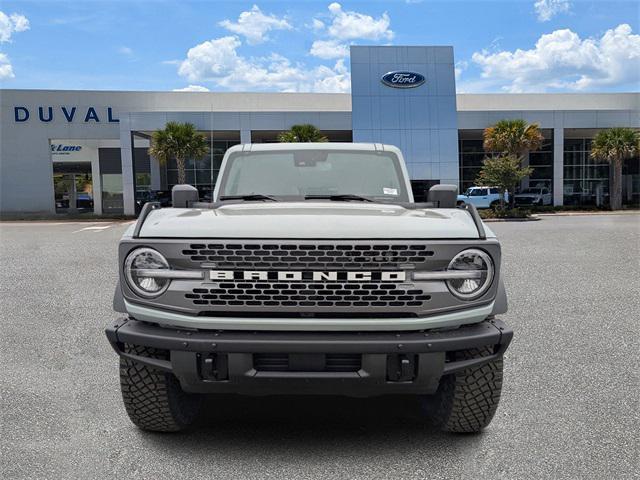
{"x": 86, "y": 151}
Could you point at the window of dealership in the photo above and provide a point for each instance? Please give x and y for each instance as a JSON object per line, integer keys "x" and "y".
{"x": 585, "y": 181}
{"x": 87, "y": 174}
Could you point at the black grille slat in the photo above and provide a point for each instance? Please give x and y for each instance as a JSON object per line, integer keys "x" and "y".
{"x": 309, "y": 295}
{"x": 307, "y": 257}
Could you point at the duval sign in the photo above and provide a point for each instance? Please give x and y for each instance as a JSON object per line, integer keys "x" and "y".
{"x": 403, "y": 79}
{"x": 65, "y": 113}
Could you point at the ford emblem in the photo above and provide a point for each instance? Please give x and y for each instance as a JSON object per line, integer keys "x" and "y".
{"x": 402, "y": 79}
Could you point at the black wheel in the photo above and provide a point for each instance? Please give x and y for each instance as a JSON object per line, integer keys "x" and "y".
{"x": 494, "y": 205}
{"x": 153, "y": 399}
{"x": 467, "y": 401}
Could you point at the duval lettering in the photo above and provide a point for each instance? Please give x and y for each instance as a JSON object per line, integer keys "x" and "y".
{"x": 47, "y": 114}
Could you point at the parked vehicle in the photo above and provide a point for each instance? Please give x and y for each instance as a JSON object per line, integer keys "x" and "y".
{"x": 482, "y": 197}
{"x": 533, "y": 196}
{"x": 304, "y": 276}
{"x": 145, "y": 196}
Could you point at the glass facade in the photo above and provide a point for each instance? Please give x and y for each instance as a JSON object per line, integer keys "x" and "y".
{"x": 73, "y": 187}
{"x": 202, "y": 173}
{"x": 471, "y": 157}
{"x": 586, "y": 181}
{"x": 542, "y": 163}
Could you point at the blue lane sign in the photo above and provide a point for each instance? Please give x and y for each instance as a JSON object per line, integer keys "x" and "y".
{"x": 402, "y": 79}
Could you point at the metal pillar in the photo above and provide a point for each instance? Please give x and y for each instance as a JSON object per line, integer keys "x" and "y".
{"x": 558, "y": 166}
{"x": 126, "y": 156}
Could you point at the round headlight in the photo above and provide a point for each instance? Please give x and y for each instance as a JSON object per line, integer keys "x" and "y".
{"x": 476, "y": 261}
{"x": 138, "y": 269}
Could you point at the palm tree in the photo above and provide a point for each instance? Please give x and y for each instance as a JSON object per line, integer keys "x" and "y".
{"x": 513, "y": 139}
{"x": 180, "y": 141}
{"x": 302, "y": 133}
{"x": 614, "y": 146}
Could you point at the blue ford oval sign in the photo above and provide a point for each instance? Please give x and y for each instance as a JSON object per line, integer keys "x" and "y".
{"x": 402, "y": 79}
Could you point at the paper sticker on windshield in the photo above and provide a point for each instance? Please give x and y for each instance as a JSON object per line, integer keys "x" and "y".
{"x": 390, "y": 191}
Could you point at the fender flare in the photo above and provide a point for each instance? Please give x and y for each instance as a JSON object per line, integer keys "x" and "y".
{"x": 500, "y": 304}
{"x": 118, "y": 300}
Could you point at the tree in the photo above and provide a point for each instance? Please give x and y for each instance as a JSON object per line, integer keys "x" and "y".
{"x": 504, "y": 172}
{"x": 180, "y": 141}
{"x": 302, "y": 133}
{"x": 513, "y": 138}
{"x": 614, "y": 146}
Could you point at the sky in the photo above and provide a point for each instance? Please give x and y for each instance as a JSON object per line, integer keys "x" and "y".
{"x": 499, "y": 46}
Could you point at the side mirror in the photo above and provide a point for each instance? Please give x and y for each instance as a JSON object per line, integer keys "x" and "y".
{"x": 444, "y": 196}
{"x": 183, "y": 195}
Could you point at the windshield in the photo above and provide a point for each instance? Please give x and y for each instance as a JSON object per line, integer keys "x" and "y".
{"x": 296, "y": 174}
{"x": 476, "y": 192}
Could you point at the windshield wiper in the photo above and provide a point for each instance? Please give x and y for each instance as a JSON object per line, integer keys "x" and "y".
{"x": 250, "y": 197}
{"x": 343, "y": 197}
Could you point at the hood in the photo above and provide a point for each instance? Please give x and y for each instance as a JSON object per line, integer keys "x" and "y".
{"x": 527, "y": 195}
{"x": 309, "y": 220}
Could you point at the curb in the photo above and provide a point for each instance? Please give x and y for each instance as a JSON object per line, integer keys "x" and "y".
{"x": 495, "y": 220}
{"x": 577, "y": 214}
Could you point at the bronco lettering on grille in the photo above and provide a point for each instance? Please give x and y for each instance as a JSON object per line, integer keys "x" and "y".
{"x": 358, "y": 276}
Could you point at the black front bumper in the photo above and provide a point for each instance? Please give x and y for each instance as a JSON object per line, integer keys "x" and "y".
{"x": 345, "y": 363}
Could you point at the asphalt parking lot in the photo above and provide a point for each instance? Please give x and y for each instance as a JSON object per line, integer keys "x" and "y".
{"x": 570, "y": 405}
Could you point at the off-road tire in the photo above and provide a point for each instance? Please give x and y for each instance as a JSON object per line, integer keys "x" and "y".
{"x": 494, "y": 205}
{"x": 467, "y": 401}
{"x": 153, "y": 399}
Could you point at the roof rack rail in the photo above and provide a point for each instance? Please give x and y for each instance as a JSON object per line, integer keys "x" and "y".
{"x": 146, "y": 210}
{"x": 476, "y": 219}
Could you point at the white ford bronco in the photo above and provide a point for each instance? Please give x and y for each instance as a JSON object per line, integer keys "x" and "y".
{"x": 312, "y": 271}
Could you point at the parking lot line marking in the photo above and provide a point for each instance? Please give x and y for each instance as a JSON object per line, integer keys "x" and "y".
{"x": 94, "y": 228}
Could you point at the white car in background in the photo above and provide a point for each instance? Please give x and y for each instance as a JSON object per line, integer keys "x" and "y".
{"x": 482, "y": 197}
{"x": 534, "y": 196}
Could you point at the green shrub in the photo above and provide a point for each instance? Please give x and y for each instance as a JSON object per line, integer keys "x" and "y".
{"x": 505, "y": 213}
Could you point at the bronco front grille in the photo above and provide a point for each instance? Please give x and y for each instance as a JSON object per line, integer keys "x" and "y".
{"x": 307, "y": 256}
{"x": 308, "y": 295}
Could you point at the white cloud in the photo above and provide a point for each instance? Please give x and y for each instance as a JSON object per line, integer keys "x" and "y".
{"x": 6, "y": 70}
{"x": 348, "y": 25}
{"x": 329, "y": 49}
{"x": 561, "y": 60}
{"x": 10, "y": 24}
{"x": 332, "y": 80}
{"x": 125, "y": 51}
{"x": 210, "y": 59}
{"x": 192, "y": 88}
{"x": 254, "y": 25}
{"x": 547, "y": 9}
{"x": 219, "y": 62}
